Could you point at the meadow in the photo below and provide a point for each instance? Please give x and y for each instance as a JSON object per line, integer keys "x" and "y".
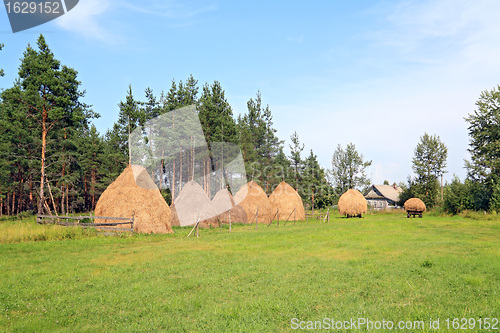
{"x": 382, "y": 266}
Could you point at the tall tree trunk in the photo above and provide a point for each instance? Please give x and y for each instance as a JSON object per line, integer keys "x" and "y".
{"x": 30, "y": 180}
{"x": 42, "y": 167}
{"x": 63, "y": 173}
{"x": 172, "y": 186}
{"x": 13, "y": 201}
{"x": 20, "y": 196}
{"x": 180, "y": 172}
{"x": 7, "y": 203}
{"x": 92, "y": 187}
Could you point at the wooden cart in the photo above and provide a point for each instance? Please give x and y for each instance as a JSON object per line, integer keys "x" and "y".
{"x": 414, "y": 213}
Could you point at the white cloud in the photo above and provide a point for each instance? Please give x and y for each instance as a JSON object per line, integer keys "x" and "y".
{"x": 170, "y": 9}
{"x": 84, "y": 19}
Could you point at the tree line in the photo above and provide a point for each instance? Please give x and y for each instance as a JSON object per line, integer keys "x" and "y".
{"x": 53, "y": 159}
{"x": 480, "y": 190}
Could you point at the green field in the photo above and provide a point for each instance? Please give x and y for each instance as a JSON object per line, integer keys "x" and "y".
{"x": 383, "y": 266}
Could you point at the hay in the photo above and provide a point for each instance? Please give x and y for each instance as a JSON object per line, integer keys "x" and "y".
{"x": 414, "y": 204}
{"x": 191, "y": 204}
{"x": 352, "y": 203}
{"x": 224, "y": 204}
{"x": 124, "y": 198}
{"x": 251, "y": 196}
{"x": 285, "y": 199}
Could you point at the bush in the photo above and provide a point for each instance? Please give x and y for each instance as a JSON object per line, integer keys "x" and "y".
{"x": 457, "y": 197}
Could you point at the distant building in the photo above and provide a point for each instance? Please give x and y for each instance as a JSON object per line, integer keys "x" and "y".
{"x": 383, "y": 196}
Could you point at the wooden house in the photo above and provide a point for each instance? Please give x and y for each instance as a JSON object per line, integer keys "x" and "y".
{"x": 383, "y": 196}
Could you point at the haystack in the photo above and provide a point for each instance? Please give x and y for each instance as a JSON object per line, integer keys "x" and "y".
{"x": 224, "y": 204}
{"x": 352, "y": 203}
{"x": 288, "y": 203}
{"x": 415, "y": 205}
{"x": 251, "y": 196}
{"x": 135, "y": 193}
{"x": 193, "y": 204}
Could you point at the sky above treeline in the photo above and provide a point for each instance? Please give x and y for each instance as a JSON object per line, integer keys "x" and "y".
{"x": 378, "y": 74}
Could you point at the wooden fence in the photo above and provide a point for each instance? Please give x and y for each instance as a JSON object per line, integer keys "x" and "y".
{"x": 322, "y": 217}
{"x": 77, "y": 221}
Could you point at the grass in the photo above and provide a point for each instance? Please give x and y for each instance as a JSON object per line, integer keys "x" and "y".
{"x": 26, "y": 229}
{"x": 383, "y": 266}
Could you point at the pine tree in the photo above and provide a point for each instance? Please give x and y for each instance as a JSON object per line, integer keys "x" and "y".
{"x": 130, "y": 117}
{"x": 219, "y": 127}
{"x": 296, "y": 162}
{"x": 259, "y": 143}
{"x": 51, "y": 91}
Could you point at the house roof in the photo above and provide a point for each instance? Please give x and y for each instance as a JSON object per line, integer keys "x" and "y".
{"x": 384, "y": 191}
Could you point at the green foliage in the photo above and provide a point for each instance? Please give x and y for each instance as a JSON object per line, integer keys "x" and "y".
{"x": 315, "y": 190}
{"x": 259, "y": 144}
{"x": 484, "y": 135}
{"x": 425, "y": 190}
{"x": 349, "y": 169}
{"x": 296, "y": 162}
{"x": 429, "y": 163}
{"x": 216, "y": 115}
{"x": 44, "y": 115}
{"x": 167, "y": 195}
{"x": 430, "y": 157}
{"x": 457, "y": 196}
{"x": 484, "y": 167}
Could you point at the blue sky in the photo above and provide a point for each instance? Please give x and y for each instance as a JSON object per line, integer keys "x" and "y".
{"x": 378, "y": 74}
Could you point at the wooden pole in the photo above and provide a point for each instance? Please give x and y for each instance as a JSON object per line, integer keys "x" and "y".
{"x": 254, "y": 217}
{"x": 277, "y": 210}
{"x": 196, "y": 224}
{"x": 52, "y": 198}
{"x": 257, "y": 219}
{"x": 290, "y": 215}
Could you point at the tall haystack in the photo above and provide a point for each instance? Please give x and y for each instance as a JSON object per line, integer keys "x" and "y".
{"x": 414, "y": 205}
{"x": 224, "y": 204}
{"x": 352, "y": 203}
{"x": 288, "y": 203}
{"x": 193, "y": 204}
{"x": 251, "y": 196}
{"x": 135, "y": 193}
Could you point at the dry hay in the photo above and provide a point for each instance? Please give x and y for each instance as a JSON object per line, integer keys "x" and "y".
{"x": 135, "y": 193}
{"x": 224, "y": 204}
{"x": 414, "y": 204}
{"x": 191, "y": 204}
{"x": 289, "y": 203}
{"x": 251, "y": 196}
{"x": 352, "y": 203}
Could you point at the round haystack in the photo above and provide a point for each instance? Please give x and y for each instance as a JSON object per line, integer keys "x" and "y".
{"x": 288, "y": 203}
{"x": 414, "y": 205}
{"x": 251, "y": 196}
{"x": 134, "y": 193}
{"x": 193, "y": 204}
{"x": 224, "y": 204}
{"x": 352, "y": 203}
